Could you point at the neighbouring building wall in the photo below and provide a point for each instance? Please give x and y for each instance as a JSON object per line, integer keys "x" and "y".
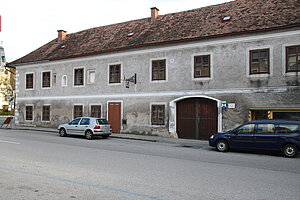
{"x": 230, "y": 81}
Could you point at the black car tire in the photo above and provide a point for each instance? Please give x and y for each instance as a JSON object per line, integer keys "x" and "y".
{"x": 89, "y": 135}
{"x": 222, "y": 146}
{"x": 289, "y": 150}
{"x": 62, "y": 132}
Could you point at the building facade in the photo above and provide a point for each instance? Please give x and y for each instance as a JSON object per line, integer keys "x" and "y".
{"x": 186, "y": 88}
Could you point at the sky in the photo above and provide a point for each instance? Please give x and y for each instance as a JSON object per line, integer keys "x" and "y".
{"x": 29, "y": 24}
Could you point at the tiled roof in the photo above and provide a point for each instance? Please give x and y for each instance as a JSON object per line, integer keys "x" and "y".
{"x": 246, "y": 16}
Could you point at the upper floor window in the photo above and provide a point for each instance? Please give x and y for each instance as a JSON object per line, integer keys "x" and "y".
{"x": 29, "y": 80}
{"x": 293, "y": 58}
{"x": 158, "y": 70}
{"x": 158, "y": 114}
{"x": 78, "y": 76}
{"x": 202, "y": 66}
{"x": 46, "y": 79}
{"x": 115, "y": 73}
{"x": 91, "y": 76}
{"x": 260, "y": 61}
{"x": 64, "y": 80}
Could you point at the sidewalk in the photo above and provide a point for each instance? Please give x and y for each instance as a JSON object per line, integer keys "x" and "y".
{"x": 180, "y": 142}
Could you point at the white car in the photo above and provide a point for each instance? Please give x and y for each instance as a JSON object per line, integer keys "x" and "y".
{"x": 86, "y": 126}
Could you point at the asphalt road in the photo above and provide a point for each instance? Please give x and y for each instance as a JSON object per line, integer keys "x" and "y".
{"x": 39, "y": 165}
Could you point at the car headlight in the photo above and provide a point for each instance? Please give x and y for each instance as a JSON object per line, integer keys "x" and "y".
{"x": 211, "y": 137}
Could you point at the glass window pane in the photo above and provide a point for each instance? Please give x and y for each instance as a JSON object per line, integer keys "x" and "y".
{"x": 265, "y": 128}
{"x": 248, "y": 128}
{"x": 287, "y": 128}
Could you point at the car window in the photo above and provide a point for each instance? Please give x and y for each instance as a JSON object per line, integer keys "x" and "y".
{"x": 102, "y": 121}
{"x": 85, "y": 121}
{"x": 248, "y": 128}
{"x": 287, "y": 128}
{"x": 75, "y": 121}
{"x": 265, "y": 128}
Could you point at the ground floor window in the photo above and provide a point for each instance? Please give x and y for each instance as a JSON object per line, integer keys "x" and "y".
{"x": 274, "y": 113}
{"x": 96, "y": 111}
{"x": 46, "y": 113}
{"x": 29, "y": 113}
{"x": 158, "y": 114}
{"x": 78, "y": 111}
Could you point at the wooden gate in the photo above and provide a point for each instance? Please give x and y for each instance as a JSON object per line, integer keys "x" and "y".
{"x": 197, "y": 118}
{"x": 114, "y": 116}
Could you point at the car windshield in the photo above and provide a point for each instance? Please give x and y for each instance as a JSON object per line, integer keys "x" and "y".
{"x": 102, "y": 121}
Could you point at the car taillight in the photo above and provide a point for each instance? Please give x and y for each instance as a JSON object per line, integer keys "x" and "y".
{"x": 97, "y": 127}
{"x": 110, "y": 126}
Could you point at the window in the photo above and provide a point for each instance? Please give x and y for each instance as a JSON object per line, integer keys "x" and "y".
{"x": 64, "y": 80}
{"x": 158, "y": 114}
{"x": 158, "y": 70}
{"x": 265, "y": 128}
{"x": 75, "y": 121}
{"x": 54, "y": 79}
{"x": 46, "y": 113}
{"x": 115, "y": 73}
{"x": 78, "y": 111}
{"x": 78, "y": 76}
{"x": 46, "y": 77}
{"x": 260, "y": 61}
{"x": 29, "y": 81}
{"x": 248, "y": 128}
{"x": 96, "y": 111}
{"x": 293, "y": 58}
{"x": 202, "y": 66}
{"x": 85, "y": 121}
{"x": 287, "y": 128}
{"x": 29, "y": 113}
{"x": 91, "y": 76}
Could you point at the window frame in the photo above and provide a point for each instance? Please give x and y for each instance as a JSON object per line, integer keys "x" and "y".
{"x": 297, "y": 60}
{"x": 89, "y": 76}
{"x": 166, "y": 70}
{"x": 33, "y": 80}
{"x": 43, "y": 119}
{"x": 248, "y": 67}
{"x": 50, "y": 79}
{"x": 73, "y": 110}
{"x": 83, "y": 76}
{"x": 100, "y": 110}
{"x": 154, "y": 123}
{"x": 29, "y": 120}
{"x": 62, "y": 81}
{"x": 259, "y": 52}
{"x": 109, "y": 76}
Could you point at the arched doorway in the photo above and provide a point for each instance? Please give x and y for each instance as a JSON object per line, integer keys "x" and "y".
{"x": 196, "y": 117}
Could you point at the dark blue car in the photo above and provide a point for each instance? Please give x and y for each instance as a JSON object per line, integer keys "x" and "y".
{"x": 270, "y": 135}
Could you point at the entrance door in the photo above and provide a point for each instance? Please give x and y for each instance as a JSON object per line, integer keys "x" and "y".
{"x": 114, "y": 116}
{"x": 197, "y": 118}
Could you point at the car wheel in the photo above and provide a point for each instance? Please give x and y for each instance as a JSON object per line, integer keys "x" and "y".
{"x": 89, "y": 135}
{"x": 290, "y": 150}
{"x": 222, "y": 146}
{"x": 62, "y": 132}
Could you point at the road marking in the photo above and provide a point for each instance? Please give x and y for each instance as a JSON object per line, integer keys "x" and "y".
{"x": 10, "y": 142}
{"x": 83, "y": 184}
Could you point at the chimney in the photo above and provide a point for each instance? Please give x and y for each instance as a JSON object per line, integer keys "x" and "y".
{"x": 61, "y": 35}
{"x": 154, "y": 13}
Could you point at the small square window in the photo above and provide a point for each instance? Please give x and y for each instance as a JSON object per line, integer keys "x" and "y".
{"x": 260, "y": 61}
{"x": 91, "y": 76}
{"x": 293, "y": 58}
{"x": 78, "y": 111}
{"x": 96, "y": 111}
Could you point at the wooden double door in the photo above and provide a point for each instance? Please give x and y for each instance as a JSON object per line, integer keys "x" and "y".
{"x": 196, "y": 118}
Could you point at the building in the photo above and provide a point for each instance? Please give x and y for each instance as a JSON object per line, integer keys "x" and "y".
{"x": 186, "y": 74}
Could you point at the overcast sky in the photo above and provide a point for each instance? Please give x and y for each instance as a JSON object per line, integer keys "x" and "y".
{"x": 29, "y": 24}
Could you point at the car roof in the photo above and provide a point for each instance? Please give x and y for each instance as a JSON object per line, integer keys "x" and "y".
{"x": 274, "y": 121}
